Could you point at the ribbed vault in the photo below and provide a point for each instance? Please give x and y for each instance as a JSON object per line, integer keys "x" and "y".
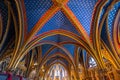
{"x": 38, "y": 34}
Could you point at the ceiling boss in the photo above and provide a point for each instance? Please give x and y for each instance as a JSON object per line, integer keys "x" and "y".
{"x": 60, "y": 3}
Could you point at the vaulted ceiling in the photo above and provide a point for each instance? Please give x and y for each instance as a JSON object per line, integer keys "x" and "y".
{"x": 59, "y": 28}
{"x": 51, "y": 15}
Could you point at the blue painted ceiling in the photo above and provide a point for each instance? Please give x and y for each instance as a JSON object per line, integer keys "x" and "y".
{"x": 111, "y": 17}
{"x": 8, "y": 41}
{"x": 35, "y": 9}
{"x": 3, "y": 14}
{"x": 58, "y": 21}
{"x": 82, "y": 9}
